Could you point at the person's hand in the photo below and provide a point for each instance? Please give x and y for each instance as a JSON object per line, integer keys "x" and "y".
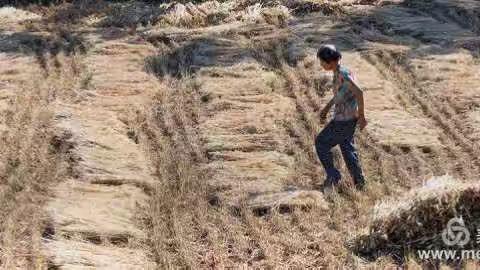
{"x": 362, "y": 122}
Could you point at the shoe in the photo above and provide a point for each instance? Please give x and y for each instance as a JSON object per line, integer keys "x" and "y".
{"x": 329, "y": 184}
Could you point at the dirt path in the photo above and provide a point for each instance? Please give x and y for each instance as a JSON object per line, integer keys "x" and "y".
{"x": 96, "y": 216}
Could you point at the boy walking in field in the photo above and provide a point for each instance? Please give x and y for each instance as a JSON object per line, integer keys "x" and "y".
{"x": 348, "y": 112}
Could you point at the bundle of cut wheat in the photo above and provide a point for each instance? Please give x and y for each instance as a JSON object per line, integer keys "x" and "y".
{"x": 191, "y": 15}
{"x": 213, "y": 12}
{"x": 418, "y": 219}
{"x": 300, "y": 7}
{"x": 14, "y": 15}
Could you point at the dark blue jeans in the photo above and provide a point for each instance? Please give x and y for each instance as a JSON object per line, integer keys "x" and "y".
{"x": 341, "y": 133}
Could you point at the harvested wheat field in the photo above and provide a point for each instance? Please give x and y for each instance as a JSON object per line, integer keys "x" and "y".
{"x": 181, "y": 135}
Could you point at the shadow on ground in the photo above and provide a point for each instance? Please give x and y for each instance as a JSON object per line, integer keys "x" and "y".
{"x": 389, "y": 25}
{"x": 182, "y": 55}
{"x": 420, "y": 26}
{"x": 195, "y": 54}
{"x": 41, "y": 46}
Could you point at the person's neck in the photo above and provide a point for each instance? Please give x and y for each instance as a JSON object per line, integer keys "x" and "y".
{"x": 337, "y": 68}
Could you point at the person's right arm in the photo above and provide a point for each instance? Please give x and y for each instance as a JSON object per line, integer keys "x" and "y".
{"x": 326, "y": 109}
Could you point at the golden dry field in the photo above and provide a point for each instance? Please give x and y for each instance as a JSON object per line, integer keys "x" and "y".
{"x": 180, "y": 135}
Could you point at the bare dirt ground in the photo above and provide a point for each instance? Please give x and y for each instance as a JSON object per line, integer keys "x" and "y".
{"x": 145, "y": 136}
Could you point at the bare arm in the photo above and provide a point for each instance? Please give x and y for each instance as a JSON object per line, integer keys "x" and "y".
{"x": 324, "y": 112}
{"x": 358, "y": 93}
{"x": 329, "y": 105}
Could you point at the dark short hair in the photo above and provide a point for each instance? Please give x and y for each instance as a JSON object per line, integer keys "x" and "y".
{"x": 329, "y": 53}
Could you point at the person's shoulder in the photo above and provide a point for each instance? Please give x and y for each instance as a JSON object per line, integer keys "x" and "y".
{"x": 346, "y": 73}
{"x": 344, "y": 70}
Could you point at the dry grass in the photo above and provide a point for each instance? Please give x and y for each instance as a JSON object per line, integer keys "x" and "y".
{"x": 212, "y": 234}
{"x": 191, "y": 15}
{"x": 189, "y": 226}
{"x": 11, "y": 14}
{"x": 395, "y": 67}
{"x": 213, "y": 12}
{"x": 33, "y": 159}
{"x": 272, "y": 12}
{"x": 416, "y": 220}
{"x": 181, "y": 184}
{"x": 301, "y": 7}
{"x": 183, "y": 14}
{"x": 73, "y": 12}
{"x": 35, "y": 154}
{"x": 129, "y": 14}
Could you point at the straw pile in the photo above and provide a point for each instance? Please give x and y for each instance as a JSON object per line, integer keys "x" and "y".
{"x": 11, "y": 14}
{"x": 214, "y": 12}
{"x": 192, "y": 14}
{"x": 417, "y": 219}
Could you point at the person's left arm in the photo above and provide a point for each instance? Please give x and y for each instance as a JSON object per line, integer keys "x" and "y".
{"x": 358, "y": 93}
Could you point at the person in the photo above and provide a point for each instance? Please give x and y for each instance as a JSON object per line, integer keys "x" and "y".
{"x": 349, "y": 112}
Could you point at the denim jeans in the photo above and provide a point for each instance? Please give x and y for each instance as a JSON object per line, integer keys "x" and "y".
{"x": 341, "y": 133}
